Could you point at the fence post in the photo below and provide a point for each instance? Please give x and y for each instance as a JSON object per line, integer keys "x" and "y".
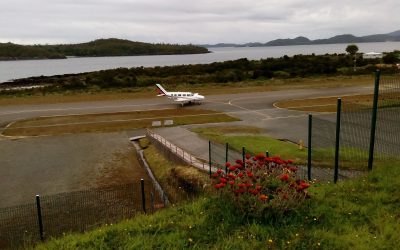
{"x": 267, "y": 153}
{"x": 39, "y": 213}
{"x": 209, "y": 155}
{"x": 244, "y": 157}
{"x": 143, "y": 195}
{"x": 373, "y": 121}
{"x": 226, "y": 156}
{"x": 309, "y": 146}
{"x": 337, "y": 144}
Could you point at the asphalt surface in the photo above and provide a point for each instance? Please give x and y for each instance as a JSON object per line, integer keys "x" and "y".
{"x": 62, "y": 163}
{"x": 253, "y": 108}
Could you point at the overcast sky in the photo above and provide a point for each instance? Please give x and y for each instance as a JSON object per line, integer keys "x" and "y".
{"x": 196, "y": 21}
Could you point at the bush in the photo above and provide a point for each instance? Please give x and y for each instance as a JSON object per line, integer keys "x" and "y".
{"x": 262, "y": 187}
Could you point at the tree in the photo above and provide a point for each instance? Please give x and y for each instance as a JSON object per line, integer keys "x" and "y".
{"x": 352, "y": 49}
{"x": 391, "y": 58}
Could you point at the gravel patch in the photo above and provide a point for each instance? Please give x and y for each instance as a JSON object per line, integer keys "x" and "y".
{"x": 49, "y": 165}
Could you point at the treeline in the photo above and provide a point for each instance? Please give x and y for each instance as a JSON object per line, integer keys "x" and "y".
{"x": 218, "y": 72}
{"x": 100, "y": 47}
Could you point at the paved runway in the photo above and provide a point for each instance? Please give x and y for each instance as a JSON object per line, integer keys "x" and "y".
{"x": 252, "y": 108}
{"x": 58, "y": 164}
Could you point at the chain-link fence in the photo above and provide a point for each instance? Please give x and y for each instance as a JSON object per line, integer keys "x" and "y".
{"x": 356, "y": 129}
{"x": 388, "y": 119}
{"x": 222, "y": 153}
{"x": 74, "y": 212}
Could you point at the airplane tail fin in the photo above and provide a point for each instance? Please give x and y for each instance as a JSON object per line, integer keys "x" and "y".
{"x": 160, "y": 90}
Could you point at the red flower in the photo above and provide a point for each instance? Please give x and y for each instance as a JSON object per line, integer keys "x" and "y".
{"x": 219, "y": 185}
{"x": 231, "y": 176}
{"x": 258, "y": 187}
{"x": 303, "y": 185}
{"x": 232, "y": 183}
{"x": 240, "y": 175}
{"x": 290, "y": 161}
{"x": 232, "y": 168}
{"x": 253, "y": 191}
{"x": 248, "y": 156}
{"x": 284, "y": 177}
{"x": 263, "y": 197}
{"x": 240, "y": 162}
{"x": 242, "y": 185}
{"x": 250, "y": 174}
{"x": 292, "y": 169}
{"x": 260, "y": 157}
{"x": 248, "y": 184}
{"x": 219, "y": 171}
{"x": 227, "y": 164}
{"x": 215, "y": 175}
{"x": 223, "y": 180}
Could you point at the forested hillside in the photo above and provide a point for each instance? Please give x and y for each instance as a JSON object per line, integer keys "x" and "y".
{"x": 100, "y": 47}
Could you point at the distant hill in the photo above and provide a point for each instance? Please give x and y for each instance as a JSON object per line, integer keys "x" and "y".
{"x": 345, "y": 38}
{"x": 100, "y": 47}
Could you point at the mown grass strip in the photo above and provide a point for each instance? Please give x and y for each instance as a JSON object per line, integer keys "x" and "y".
{"x": 253, "y": 142}
{"x": 109, "y": 122}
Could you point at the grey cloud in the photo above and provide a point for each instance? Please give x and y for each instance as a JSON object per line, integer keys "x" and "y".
{"x": 182, "y": 21}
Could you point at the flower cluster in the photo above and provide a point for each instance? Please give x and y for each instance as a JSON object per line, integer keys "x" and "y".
{"x": 261, "y": 183}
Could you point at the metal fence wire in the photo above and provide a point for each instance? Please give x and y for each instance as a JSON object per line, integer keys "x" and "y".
{"x": 355, "y": 133}
{"x": 222, "y": 153}
{"x": 323, "y": 147}
{"x": 74, "y": 212}
{"x": 388, "y": 119}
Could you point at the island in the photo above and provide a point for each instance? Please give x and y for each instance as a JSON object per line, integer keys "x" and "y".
{"x": 99, "y": 47}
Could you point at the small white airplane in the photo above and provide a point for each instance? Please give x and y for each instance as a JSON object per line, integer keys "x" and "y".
{"x": 181, "y": 97}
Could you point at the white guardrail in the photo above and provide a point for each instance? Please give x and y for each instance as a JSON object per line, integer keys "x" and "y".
{"x": 180, "y": 153}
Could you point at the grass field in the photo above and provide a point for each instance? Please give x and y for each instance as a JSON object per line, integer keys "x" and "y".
{"x": 254, "y": 141}
{"x": 328, "y": 104}
{"x": 206, "y": 89}
{"x": 108, "y": 122}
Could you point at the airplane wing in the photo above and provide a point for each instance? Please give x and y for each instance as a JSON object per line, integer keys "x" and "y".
{"x": 181, "y": 100}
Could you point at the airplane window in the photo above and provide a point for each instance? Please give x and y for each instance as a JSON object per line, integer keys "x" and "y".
{"x": 179, "y": 94}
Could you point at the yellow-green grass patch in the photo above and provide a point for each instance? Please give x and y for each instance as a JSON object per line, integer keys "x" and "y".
{"x": 323, "y": 104}
{"x": 179, "y": 181}
{"x": 109, "y": 122}
{"x": 328, "y": 104}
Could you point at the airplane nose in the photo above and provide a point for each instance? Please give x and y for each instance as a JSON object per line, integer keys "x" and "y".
{"x": 201, "y": 96}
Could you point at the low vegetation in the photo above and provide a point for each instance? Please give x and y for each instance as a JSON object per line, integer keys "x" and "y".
{"x": 241, "y": 70}
{"x": 357, "y": 214}
{"x": 179, "y": 181}
{"x": 55, "y": 125}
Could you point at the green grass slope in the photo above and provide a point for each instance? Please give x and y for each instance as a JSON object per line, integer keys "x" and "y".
{"x": 356, "y": 214}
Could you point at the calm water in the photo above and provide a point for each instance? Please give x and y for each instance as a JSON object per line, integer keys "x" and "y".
{"x": 20, "y": 69}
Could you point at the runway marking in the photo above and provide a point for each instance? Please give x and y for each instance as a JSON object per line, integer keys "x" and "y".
{"x": 111, "y": 121}
{"x": 246, "y": 109}
{"x": 284, "y": 117}
{"x": 78, "y": 108}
